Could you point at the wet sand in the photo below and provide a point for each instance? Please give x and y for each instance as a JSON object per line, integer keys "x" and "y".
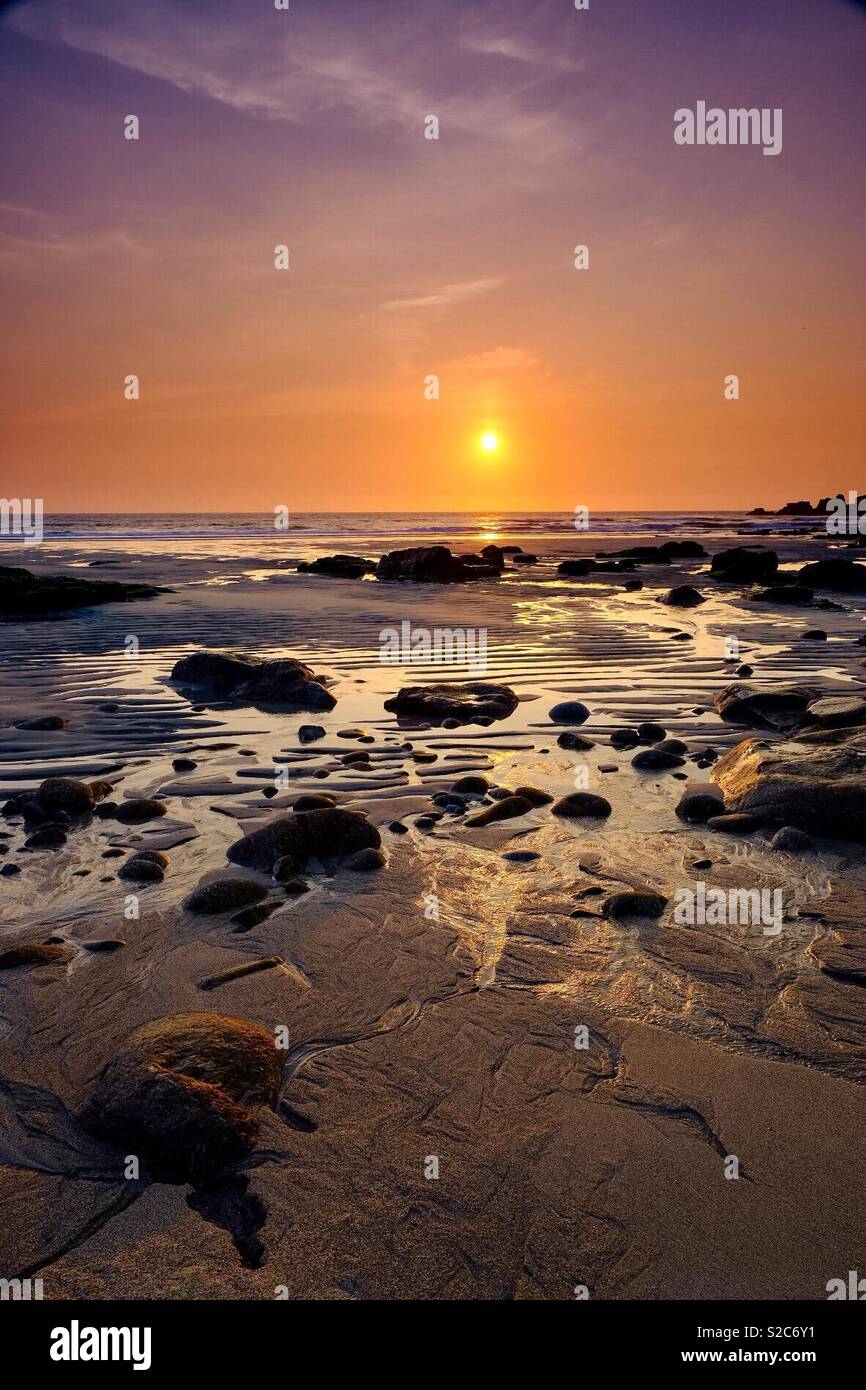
{"x": 414, "y": 1036}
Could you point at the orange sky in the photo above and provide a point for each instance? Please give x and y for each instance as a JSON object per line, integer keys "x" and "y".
{"x": 305, "y": 388}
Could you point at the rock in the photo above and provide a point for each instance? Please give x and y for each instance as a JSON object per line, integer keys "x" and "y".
{"x": 582, "y": 804}
{"x": 46, "y": 837}
{"x": 244, "y": 679}
{"x": 471, "y": 786}
{"x": 184, "y": 764}
{"x": 433, "y": 565}
{"x": 779, "y": 707}
{"x": 314, "y": 801}
{"x": 39, "y": 954}
{"x": 672, "y": 745}
{"x": 425, "y": 757}
{"x": 237, "y": 972}
{"x": 624, "y": 738}
{"x": 506, "y": 809}
{"x": 352, "y": 732}
{"x": 683, "y": 596}
{"x": 534, "y": 795}
{"x": 179, "y": 1094}
{"x": 492, "y": 555}
{"x": 8, "y": 870}
{"x": 745, "y": 565}
{"x": 142, "y": 869}
{"x": 48, "y": 723}
{"x": 26, "y": 595}
{"x": 650, "y": 733}
{"x": 735, "y": 823}
{"x": 575, "y": 569}
{"x": 521, "y": 856}
{"x": 225, "y": 895}
{"x": 819, "y": 788}
{"x": 525, "y": 559}
{"x": 814, "y": 634}
{"x": 139, "y": 809}
{"x": 104, "y": 944}
{"x": 791, "y": 840}
{"x": 106, "y": 810}
{"x": 328, "y": 833}
{"x": 632, "y": 585}
{"x": 365, "y": 860}
{"x": 569, "y": 712}
{"x": 656, "y": 760}
{"x": 745, "y": 671}
{"x": 398, "y": 828}
{"x": 309, "y": 733}
{"x": 699, "y": 806}
{"x": 294, "y": 887}
{"x": 841, "y": 576}
{"x": 658, "y": 554}
{"x": 464, "y": 702}
{"x": 634, "y": 905}
{"x": 836, "y": 712}
{"x": 339, "y": 566}
{"x": 65, "y": 794}
{"x": 575, "y": 742}
{"x": 786, "y": 594}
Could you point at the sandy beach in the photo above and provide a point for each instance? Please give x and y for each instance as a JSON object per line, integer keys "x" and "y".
{"x": 497, "y": 1078}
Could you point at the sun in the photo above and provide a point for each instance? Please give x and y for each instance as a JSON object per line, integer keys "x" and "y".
{"x": 489, "y": 443}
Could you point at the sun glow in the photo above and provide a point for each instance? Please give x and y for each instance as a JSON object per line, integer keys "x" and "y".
{"x": 489, "y": 443}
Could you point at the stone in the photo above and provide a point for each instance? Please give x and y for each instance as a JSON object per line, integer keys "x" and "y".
{"x": 366, "y": 860}
{"x": 699, "y": 806}
{"x": 683, "y": 596}
{"x": 814, "y": 634}
{"x": 225, "y": 895}
{"x": 634, "y": 904}
{"x": 314, "y": 801}
{"x": 819, "y": 788}
{"x": 582, "y": 804}
{"x": 139, "y": 809}
{"x": 26, "y": 595}
{"x": 779, "y": 707}
{"x": 786, "y": 594}
{"x": 433, "y": 565}
{"x": 339, "y": 566}
{"x": 569, "y": 712}
{"x": 791, "y": 840}
{"x": 836, "y": 712}
{"x": 841, "y": 576}
{"x": 184, "y": 764}
{"x": 656, "y": 760}
{"x": 46, "y": 837}
{"x": 471, "y": 785}
{"x": 464, "y": 702}
{"x": 745, "y": 565}
{"x": 246, "y": 680}
{"x": 142, "y": 869}
{"x": 650, "y": 733}
{"x": 506, "y": 809}
{"x": 331, "y": 832}
{"x": 45, "y": 723}
{"x": 575, "y": 742}
{"x": 180, "y": 1094}
{"x": 65, "y": 794}
{"x": 38, "y": 954}
{"x": 310, "y": 733}
{"x": 534, "y": 795}
{"x": 735, "y": 823}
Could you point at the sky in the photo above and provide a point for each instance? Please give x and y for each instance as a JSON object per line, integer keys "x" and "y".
{"x": 412, "y": 257}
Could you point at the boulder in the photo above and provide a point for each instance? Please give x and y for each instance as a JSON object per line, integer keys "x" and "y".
{"x": 245, "y": 680}
{"x": 656, "y": 760}
{"x": 445, "y": 701}
{"x": 339, "y": 566}
{"x": 683, "y": 596}
{"x": 841, "y": 576}
{"x": 634, "y": 905}
{"x": 225, "y": 895}
{"x": 139, "y": 809}
{"x": 181, "y": 1091}
{"x": 569, "y": 712}
{"x": 780, "y": 707}
{"x": 816, "y": 787}
{"x": 658, "y": 554}
{"x": 582, "y": 804}
{"x": 330, "y": 832}
{"x": 745, "y": 565}
{"x": 433, "y": 564}
{"x": 836, "y": 712}
{"x": 26, "y": 595}
{"x": 43, "y": 953}
{"x": 506, "y": 809}
{"x": 65, "y": 794}
{"x": 786, "y": 594}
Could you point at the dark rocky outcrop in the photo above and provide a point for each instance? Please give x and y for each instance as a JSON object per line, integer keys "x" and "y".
{"x": 745, "y": 565}
{"x": 683, "y": 596}
{"x": 339, "y": 566}
{"x": 24, "y": 594}
{"x": 789, "y": 595}
{"x": 780, "y": 707}
{"x": 841, "y": 576}
{"x": 434, "y": 564}
{"x": 444, "y": 701}
{"x": 246, "y": 680}
{"x": 658, "y": 554}
{"x": 327, "y": 833}
{"x": 181, "y": 1091}
{"x": 816, "y": 787}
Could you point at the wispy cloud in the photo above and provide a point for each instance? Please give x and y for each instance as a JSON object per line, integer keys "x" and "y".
{"x": 444, "y": 298}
